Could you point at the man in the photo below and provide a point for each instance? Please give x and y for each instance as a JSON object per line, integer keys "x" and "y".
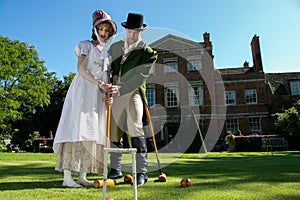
{"x": 131, "y": 65}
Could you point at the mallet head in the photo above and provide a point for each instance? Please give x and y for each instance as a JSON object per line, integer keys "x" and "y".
{"x": 128, "y": 179}
{"x": 162, "y": 178}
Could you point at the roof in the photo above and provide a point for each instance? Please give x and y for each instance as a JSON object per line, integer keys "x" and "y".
{"x": 276, "y": 80}
{"x": 232, "y": 71}
{"x": 172, "y": 42}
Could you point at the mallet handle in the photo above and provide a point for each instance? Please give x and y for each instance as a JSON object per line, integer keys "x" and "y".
{"x": 153, "y": 137}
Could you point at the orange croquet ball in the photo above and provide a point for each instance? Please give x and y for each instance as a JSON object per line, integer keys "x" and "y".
{"x": 109, "y": 198}
{"x": 185, "y": 182}
{"x": 128, "y": 179}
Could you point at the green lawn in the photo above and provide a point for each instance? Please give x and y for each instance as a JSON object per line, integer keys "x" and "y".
{"x": 215, "y": 176}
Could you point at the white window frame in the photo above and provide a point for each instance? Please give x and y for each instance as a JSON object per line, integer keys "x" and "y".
{"x": 194, "y": 63}
{"x": 151, "y": 99}
{"x": 230, "y": 98}
{"x": 195, "y": 99}
{"x": 251, "y": 96}
{"x": 255, "y": 124}
{"x": 171, "y": 65}
{"x": 232, "y": 124}
{"x": 295, "y": 87}
{"x": 174, "y": 87}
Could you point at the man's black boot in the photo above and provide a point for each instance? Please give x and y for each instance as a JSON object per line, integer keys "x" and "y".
{"x": 115, "y": 162}
{"x": 141, "y": 179}
{"x": 141, "y": 159}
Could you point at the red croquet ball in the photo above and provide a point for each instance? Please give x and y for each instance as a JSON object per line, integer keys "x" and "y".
{"x": 186, "y": 182}
{"x": 128, "y": 179}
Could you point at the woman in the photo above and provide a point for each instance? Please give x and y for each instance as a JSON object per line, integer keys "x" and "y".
{"x": 80, "y": 135}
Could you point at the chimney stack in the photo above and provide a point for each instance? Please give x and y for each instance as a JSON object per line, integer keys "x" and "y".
{"x": 206, "y": 38}
{"x": 207, "y": 44}
{"x": 246, "y": 64}
{"x": 256, "y": 55}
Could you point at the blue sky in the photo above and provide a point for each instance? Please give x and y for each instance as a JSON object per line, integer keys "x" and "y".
{"x": 54, "y": 27}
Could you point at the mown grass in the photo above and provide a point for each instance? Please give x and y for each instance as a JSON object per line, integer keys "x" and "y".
{"x": 256, "y": 175}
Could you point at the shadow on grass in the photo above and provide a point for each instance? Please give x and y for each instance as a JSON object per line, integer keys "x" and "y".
{"x": 29, "y": 185}
{"x": 17, "y": 177}
{"x": 25, "y": 170}
{"x": 278, "y": 167}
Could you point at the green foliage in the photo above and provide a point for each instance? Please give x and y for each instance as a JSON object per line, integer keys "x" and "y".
{"x": 239, "y": 132}
{"x": 24, "y": 82}
{"x": 31, "y": 98}
{"x": 45, "y": 119}
{"x": 229, "y": 139}
{"x": 288, "y": 122}
{"x": 32, "y": 137}
{"x": 2, "y": 145}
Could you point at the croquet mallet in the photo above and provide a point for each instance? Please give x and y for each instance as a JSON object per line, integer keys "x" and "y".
{"x": 162, "y": 176}
{"x": 108, "y": 110}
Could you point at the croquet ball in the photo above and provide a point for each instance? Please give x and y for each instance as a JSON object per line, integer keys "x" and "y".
{"x": 99, "y": 183}
{"x": 128, "y": 179}
{"x": 185, "y": 182}
{"x": 109, "y": 198}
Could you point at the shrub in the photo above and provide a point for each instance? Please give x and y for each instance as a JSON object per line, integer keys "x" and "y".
{"x": 229, "y": 139}
{"x": 248, "y": 143}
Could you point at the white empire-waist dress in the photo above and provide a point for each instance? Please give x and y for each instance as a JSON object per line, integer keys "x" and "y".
{"x": 80, "y": 136}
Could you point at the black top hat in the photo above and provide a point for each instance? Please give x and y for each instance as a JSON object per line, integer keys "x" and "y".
{"x": 134, "y": 21}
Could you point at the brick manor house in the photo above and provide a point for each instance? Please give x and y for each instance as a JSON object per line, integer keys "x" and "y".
{"x": 239, "y": 99}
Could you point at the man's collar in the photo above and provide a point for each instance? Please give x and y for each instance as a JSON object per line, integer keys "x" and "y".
{"x": 140, "y": 43}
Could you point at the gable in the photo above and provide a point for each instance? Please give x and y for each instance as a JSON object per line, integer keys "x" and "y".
{"x": 173, "y": 43}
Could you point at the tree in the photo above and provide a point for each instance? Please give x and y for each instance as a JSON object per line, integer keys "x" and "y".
{"x": 46, "y": 118}
{"x": 24, "y": 83}
{"x": 288, "y": 122}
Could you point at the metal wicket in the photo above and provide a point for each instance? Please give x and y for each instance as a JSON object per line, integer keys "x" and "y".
{"x": 132, "y": 151}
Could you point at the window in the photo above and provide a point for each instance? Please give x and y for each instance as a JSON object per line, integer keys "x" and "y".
{"x": 230, "y": 97}
{"x": 171, "y": 95}
{"x": 250, "y": 96}
{"x": 150, "y": 94}
{"x": 254, "y": 125}
{"x": 194, "y": 65}
{"x": 170, "y": 65}
{"x": 295, "y": 87}
{"x": 195, "y": 94}
{"x": 232, "y": 125}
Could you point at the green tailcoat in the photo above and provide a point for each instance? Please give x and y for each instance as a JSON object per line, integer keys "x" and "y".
{"x": 134, "y": 68}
